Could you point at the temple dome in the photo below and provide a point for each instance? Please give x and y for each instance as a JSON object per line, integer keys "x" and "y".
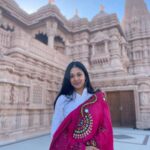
{"x": 75, "y": 18}
{"x": 49, "y": 7}
{"x": 101, "y": 14}
{"x": 77, "y": 22}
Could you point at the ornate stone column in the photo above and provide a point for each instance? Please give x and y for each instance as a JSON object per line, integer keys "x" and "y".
{"x": 1, "y": 17}
{"x": 145, "y": 52}
{"x": 51, "y": 32}
{"x": 144, "y": 103}
{"x": 115, "y": 46}
{"x": 68, "y": 48}
{"x": 85, "y": 54}
{"x": 106, "y": 46}
{"x": 93, "y": 50}
{"x": 115, "y": 52}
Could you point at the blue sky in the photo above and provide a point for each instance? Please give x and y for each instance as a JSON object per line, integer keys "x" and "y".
{"x": 86, "y": 8}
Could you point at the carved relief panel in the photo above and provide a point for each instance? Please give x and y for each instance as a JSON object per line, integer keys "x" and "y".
{"x": 144, "y": 94}
{"x": 37, "y": 94}
{"x": 5, "y": 93}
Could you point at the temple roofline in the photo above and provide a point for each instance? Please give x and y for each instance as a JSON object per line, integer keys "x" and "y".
{"x": 51, "y": 11}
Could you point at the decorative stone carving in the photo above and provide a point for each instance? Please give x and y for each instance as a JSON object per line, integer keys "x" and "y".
{"x": 37, "y": 94}
{"x": 51, "y": 31}
{"x": 99, "y": 37}
{"x": 99, "y": 50}
{"x": 1, "y": 17}
{"x": 50, "y": 97}
{"x": 144, "y": 98}
{"x": 5, "y": 37}
{"x": 145, "y": 116}
{"x": 144, "y": 86}
{"x": 3, "y": 120}
{"x": 12, "y": 98}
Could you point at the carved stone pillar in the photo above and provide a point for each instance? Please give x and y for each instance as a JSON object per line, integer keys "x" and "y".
{"x": 1, "y": 17}
{"x": 51, "y": 32}
{"x": 115, "y": 46}
{"x": 144, "y": 98}
{"x": 115, "y": 53}
{"x": 51, "y": 41}
{"x": 85, "y": 54}
{"x": 145, "y": 52}
{"x": 68, "y": 48}
{"x": 93, "y": 50}
{"x": 123, "y": 50}
{"x": 106, "y": 47}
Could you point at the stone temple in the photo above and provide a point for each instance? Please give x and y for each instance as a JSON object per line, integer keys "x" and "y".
{"x": 36, "y": 48}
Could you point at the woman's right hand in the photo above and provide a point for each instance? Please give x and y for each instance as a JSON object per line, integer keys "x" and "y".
{"x": 91, "y": 148}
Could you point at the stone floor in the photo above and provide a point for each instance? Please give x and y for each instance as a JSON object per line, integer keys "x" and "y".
{"x": 131, "y": 139}
{"x": 125, "y": 139}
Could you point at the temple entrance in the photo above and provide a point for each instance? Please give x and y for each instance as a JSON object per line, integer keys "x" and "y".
{"x": 122, "y": 108}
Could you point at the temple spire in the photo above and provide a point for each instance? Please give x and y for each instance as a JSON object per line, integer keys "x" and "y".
{"x": 76, "y": 16}
{"x": 102, "y": 8}
{"x": 134, "y": 8}
{"x": 51, "y": 1}
{"x": 76, "y": 12}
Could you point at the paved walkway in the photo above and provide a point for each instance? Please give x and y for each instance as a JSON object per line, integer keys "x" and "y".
{"x": 125, "y": 139}
{"x": 131, "y": 139}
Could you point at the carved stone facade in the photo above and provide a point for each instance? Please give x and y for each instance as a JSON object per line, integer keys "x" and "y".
{"x": 34, "y": 52}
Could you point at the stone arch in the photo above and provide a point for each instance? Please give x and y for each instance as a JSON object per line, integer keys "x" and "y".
{"x": 59, "y": 44}
{"x": 42, "y": 37}
{"x": 144, "y": 86}
{"x": 7, "y": 27}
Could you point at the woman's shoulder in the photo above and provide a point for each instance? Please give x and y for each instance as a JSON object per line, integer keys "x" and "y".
{"x": 101, "y": 94}
{"x": 61, "y": 99}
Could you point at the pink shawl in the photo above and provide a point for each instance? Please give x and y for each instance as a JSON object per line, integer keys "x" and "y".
{"x": 88, "y": 125}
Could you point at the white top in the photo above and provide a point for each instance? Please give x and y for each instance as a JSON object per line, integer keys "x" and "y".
{"x": 65, "y": 105}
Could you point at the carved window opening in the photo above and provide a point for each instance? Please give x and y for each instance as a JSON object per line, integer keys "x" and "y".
{"x": 59, "y": 44}
{"x": 42, "y": 38}
{"x": 100, "y": 48}
{"x": 8, "y": 28}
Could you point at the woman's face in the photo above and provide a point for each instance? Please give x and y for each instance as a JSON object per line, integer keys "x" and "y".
{"x": 77, "y": 79}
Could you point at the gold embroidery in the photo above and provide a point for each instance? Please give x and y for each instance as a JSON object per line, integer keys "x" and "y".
{"x": 84, "y": 127}
{"x": 85, "y": 124}
{"x": 91, "y": 102}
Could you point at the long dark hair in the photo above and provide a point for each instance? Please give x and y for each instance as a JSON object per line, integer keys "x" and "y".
{"x": 67, "y": 88}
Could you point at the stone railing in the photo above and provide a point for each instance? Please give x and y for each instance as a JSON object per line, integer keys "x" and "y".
{"x": 5, "y": 37}
{"x": 38, "y": 49}
{"x": 46, "y": 52}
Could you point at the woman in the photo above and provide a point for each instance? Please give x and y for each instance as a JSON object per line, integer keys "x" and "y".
{"x": 81, "y": 120}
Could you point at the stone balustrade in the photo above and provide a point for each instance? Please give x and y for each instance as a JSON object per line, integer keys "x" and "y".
{"x": 5, "y": 37}
{"x": 26, "y": 42}
{"x": 50, "y": 54}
